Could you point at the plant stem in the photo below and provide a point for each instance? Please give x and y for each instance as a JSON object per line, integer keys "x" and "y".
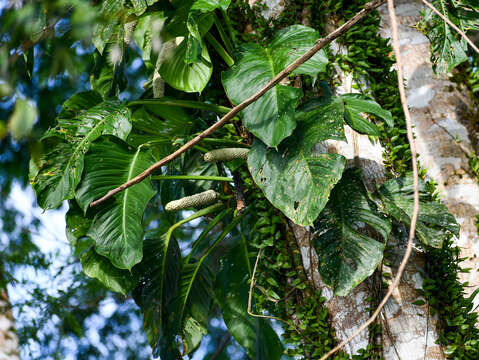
{"x": 206, "y": 231}
{"x": 181, "y": 103}
{"x": 229, "y": 26}
{"x": 201, "y": 148}
{"x": 225, "y": 142}
{"x": 191, "y": 177}
{"x": 318, "y": 45}
{"x": 223, "y": 35}
{"x": 220, "y": 49}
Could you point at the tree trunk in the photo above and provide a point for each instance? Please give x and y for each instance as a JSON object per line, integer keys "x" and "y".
{"x": 444, "y": 136}
{"x": 8, "y": 337}
{"x": 408, "y": 330}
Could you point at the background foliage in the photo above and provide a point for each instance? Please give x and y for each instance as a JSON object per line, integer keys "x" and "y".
{"x": 182, "y": 268}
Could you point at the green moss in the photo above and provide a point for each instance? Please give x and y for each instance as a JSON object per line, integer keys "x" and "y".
{"x": 371, "y": 61}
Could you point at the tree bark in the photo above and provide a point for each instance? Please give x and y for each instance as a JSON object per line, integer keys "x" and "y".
{"x": 408, "y": 330}
{"x": 9, "y": 345}
{"x": 444, "y": 134}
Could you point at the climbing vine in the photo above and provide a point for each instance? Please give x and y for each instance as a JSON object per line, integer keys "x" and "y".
{"x": 370, "y": 61}
{"x": 136, "y": 173}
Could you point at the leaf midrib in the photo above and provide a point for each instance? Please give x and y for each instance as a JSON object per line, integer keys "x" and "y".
{"x": 126, "y": 192}
{"x": 85, "y": 140}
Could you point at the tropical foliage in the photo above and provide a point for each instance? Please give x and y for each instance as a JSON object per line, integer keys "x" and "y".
{"x": 195, "y": 69}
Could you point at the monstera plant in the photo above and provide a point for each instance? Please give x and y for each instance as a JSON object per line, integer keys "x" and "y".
{"x": 220, "y": 146}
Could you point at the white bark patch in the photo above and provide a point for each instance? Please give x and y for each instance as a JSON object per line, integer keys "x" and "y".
{"x": 273, "y": 8}
{"x": 420, "y": 97}
{"x": 442, "y": 136}
{"x": 409, "y": 332}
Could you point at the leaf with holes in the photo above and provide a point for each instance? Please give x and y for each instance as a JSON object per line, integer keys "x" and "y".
{"x": 117, "y": 227}
{"x": 348, "y": 253}
{"x": 271, "y": 118}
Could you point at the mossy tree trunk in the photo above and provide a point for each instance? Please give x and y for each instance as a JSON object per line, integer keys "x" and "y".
{"x": 444, "y": 134}
{"x": 408, "y": 331}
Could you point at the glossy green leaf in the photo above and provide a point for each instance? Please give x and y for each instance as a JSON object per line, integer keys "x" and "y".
{"x": 348, "y": 253}
{"x": 435, "y": 222}
{"x": 292, "y": 179}
{"x": 210, "y": 5}
{"x": 182, "y": 76}
{"x": 155, "y": 291}
{"x": 117, "y": 227}
{"x": 100, "y": 268}
{"x": 56, "y": 174}
{"x": 254, "y": 334}
{"x": 271, "y": 118}
{"x": 193, "y": 295}
{"x": 357, "y": 104}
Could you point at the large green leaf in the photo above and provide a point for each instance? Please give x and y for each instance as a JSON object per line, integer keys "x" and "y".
{"x": 292, "y": 179}
{"x": 193, "y": 296}
{"x": 448, "y": 49}
{"x": 100, "y": 268}
{"x": 117, "y": 227}
{"x": 254, "y": 334}
{"x": 349, "y": 108}
{"x": 357, "y": 104}
{"x": 57, "y": 173}
{"x": 182, "y": 76}
{"x": 271, "y": 118}
{"x": 94, "y": 265}
{"x": 158, "y": 297}
{"x": 153, "y": 298}
{"x": 435, "y": 223}
{"x": 349, "y": 255}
